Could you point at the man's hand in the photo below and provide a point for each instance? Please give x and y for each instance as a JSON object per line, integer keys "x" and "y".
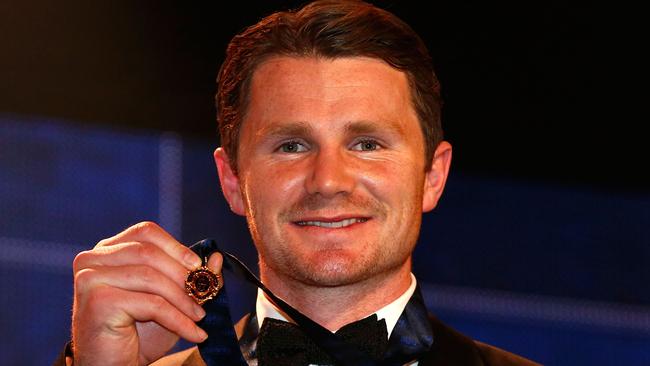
{"x": 130, "y": 304}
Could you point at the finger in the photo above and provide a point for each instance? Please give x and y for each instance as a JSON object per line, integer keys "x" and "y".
{"x": 215, "y": 262}
{"x": 150, "y": 232}
{"x": 138, "y": 278}
{"x": 132, "y": 253}
{"x": 121, "y": 305}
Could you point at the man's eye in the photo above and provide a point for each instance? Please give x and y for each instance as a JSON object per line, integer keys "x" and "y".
{"x": 292, "y": 147}
{"x": 366, "y": 145}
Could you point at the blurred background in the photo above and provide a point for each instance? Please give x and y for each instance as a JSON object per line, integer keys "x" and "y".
{"x": 540, "y": 244}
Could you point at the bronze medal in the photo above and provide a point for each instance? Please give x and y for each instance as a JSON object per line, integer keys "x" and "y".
{"x": 202, "y": 284}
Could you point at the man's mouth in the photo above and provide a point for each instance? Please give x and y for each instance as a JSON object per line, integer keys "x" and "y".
{"x": 332, "y": 224}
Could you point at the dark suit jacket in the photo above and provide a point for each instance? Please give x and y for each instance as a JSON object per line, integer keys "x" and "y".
{"x": 449, "y": 348}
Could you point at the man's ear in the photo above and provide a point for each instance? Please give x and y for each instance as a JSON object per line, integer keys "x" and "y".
{"x": 229, "y": 182}
{"x": 436, "y": 177}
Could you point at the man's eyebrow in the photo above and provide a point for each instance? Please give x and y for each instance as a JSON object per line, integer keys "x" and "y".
{"x": 301, "y": 128}
{"x": 287, "y": 129}
{"x": 368, "y": 127}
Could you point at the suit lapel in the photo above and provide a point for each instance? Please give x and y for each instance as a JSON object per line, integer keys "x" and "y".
{"x": 450, "y": 348}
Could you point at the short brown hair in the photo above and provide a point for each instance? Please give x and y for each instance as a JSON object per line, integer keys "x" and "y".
{"x": 331, "y": 29}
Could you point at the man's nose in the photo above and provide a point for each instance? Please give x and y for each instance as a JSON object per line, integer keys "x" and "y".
{"x": 331, "y": 174}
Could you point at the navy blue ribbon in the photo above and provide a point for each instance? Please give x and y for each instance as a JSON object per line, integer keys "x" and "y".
{"x": 221, "y": 347}
{"x": 412, "y": 335}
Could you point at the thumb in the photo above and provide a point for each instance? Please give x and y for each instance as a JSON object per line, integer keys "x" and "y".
{"x": 215, "y": 262}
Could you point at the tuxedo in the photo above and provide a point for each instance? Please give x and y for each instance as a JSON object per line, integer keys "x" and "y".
{"x": 449, "y": 348}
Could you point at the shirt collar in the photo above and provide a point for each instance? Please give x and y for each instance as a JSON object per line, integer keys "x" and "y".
{"x": 390, "y": 312}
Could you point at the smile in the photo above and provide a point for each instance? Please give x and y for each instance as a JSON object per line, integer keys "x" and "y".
{"x": 332, "y": 224}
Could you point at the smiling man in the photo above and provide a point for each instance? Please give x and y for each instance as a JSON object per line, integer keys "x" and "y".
{"x": 318, "y": 184}
{"x": 332, "y": 149}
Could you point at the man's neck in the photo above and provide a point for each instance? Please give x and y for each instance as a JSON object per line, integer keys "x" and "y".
{"x": 333, "y": 307}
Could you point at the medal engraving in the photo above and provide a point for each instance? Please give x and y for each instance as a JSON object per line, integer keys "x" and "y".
{"x": 202, "y": 284}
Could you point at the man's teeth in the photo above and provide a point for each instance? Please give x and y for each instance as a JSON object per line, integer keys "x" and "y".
{"x": 335, "y": 224}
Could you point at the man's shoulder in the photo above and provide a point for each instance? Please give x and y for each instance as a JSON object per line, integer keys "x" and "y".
{"x": 451, "y": 347}
{"x": 496, "y": 356}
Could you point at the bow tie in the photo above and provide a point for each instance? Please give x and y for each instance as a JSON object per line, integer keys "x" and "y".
{"x": 284, "y": 344}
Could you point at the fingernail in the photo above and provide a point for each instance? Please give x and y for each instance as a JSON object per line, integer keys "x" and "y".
{"x": 192, "y": 260}
{"x": 199, "y": 312}
{"x": 201, "y": 334}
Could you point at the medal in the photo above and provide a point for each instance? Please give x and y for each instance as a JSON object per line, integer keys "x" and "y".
{"x": 203, "y": 284}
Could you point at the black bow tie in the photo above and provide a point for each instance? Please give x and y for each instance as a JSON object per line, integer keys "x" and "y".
{"x": 284, "y": 344}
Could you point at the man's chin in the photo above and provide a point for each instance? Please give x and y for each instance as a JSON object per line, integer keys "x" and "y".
{"x": 330, "y": 279}
{"x": 332, "y": 271}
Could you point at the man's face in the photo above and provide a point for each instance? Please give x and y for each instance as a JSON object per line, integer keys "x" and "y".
{"x": 331, "y": 172}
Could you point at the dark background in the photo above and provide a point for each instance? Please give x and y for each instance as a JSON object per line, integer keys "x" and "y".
{"x": 540, "y": 244}
{"x": 543, "y": 91}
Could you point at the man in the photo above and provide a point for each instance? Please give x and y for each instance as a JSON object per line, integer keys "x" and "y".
{"x": 332, "y": 149}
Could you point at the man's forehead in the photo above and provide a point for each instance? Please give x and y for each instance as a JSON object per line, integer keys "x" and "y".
{"x": 332, "y": 72}
{"x": 349, "y": 89}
